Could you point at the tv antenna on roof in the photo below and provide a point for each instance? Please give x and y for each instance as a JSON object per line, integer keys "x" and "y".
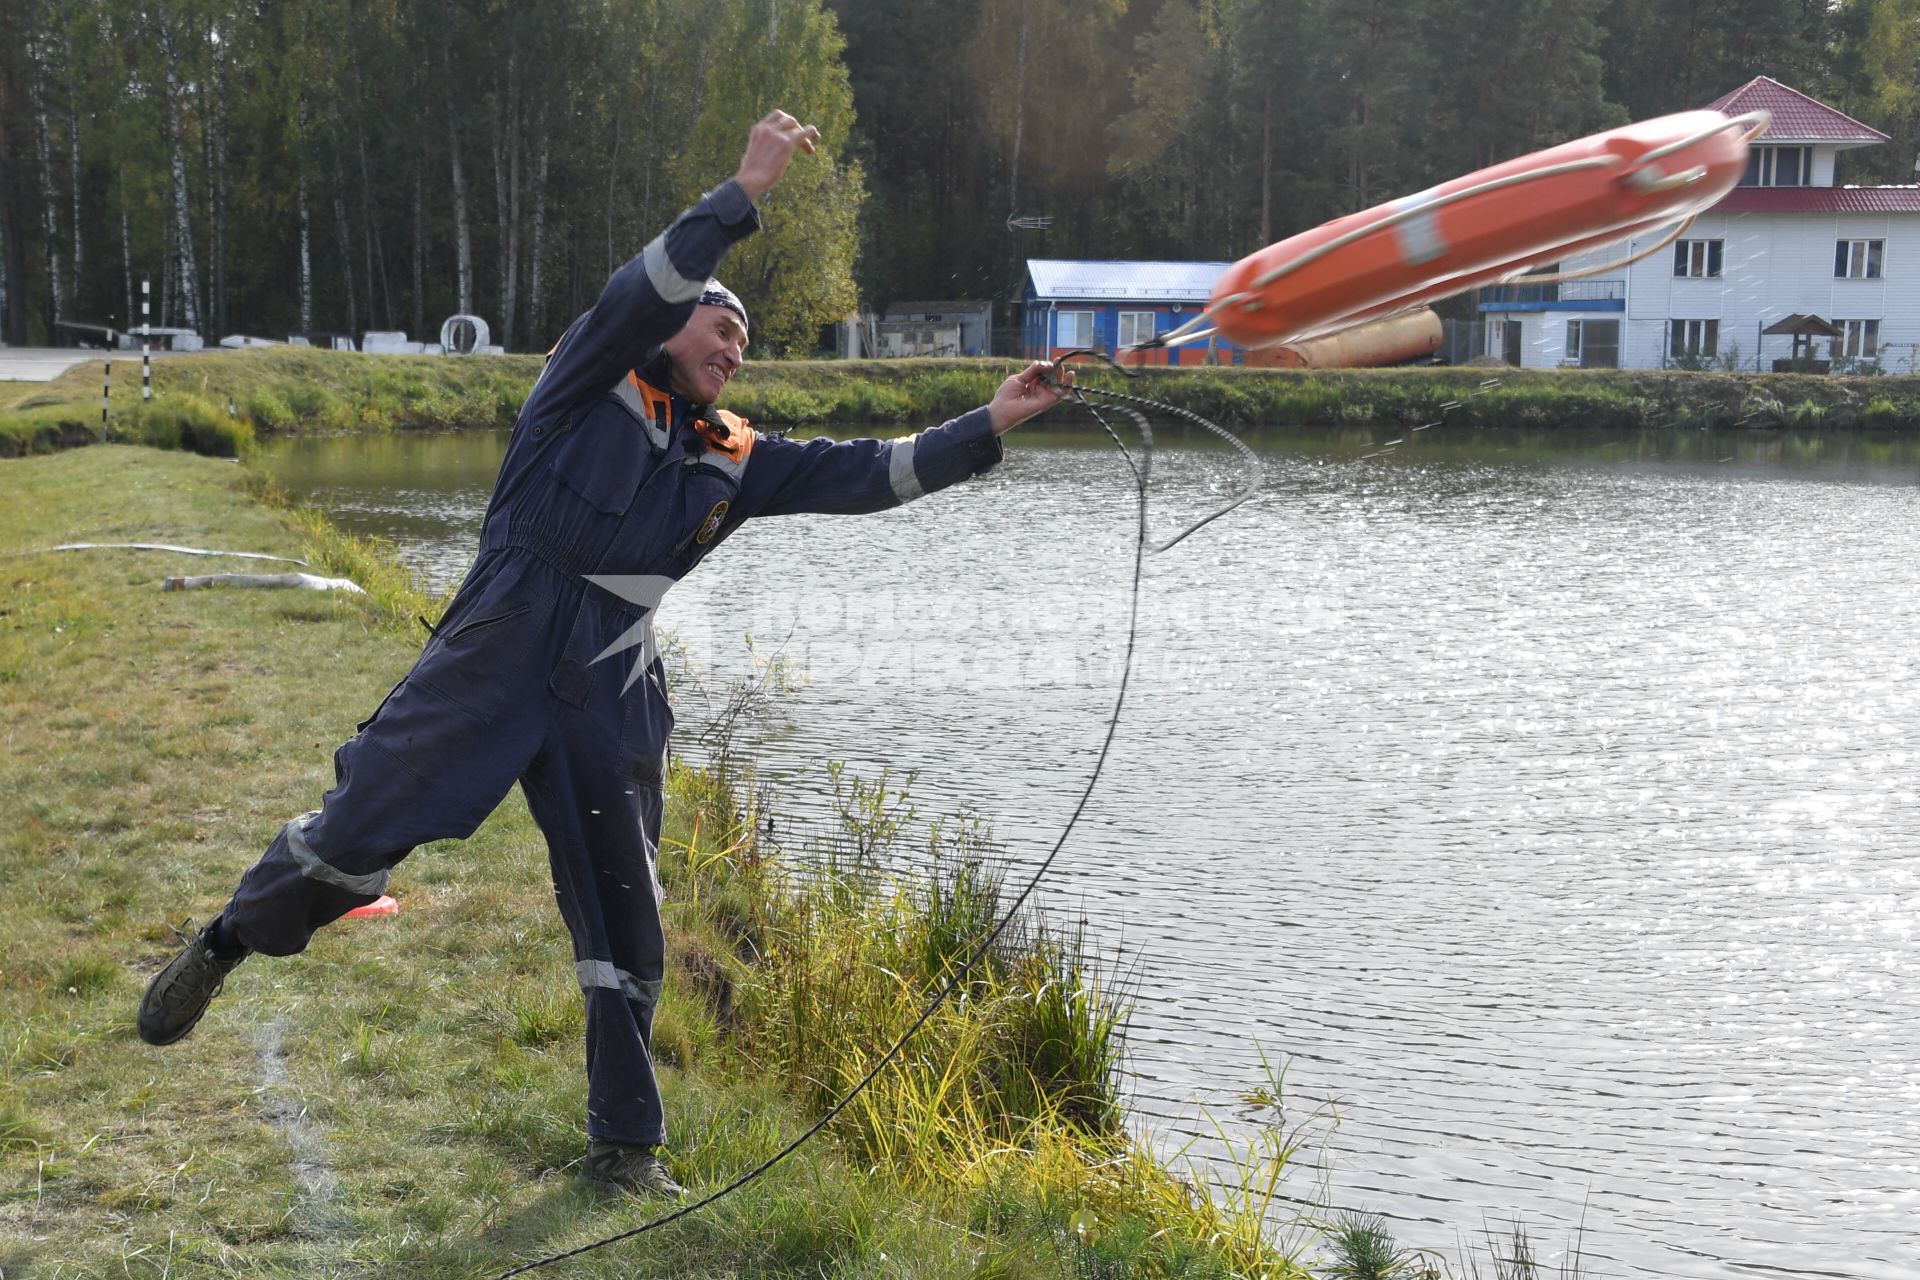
{"x": 1027, "y": 222}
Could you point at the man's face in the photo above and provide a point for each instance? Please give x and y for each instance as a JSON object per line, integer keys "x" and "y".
{"x": 706, "y": 354}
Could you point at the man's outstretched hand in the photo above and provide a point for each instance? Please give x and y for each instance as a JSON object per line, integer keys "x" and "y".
{"x": 770, "y": 148}
{"x": 1025, "y": 394}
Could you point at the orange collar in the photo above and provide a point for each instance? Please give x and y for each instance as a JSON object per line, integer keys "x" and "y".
{"x": 727, "y": 434}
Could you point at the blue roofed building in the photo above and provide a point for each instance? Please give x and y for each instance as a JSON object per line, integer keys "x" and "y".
{"x": 1072, "y": 304}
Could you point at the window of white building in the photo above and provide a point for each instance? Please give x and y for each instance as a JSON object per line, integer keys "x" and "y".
{"x": 1779, "y": 167}
{"x": 1858, "y": 259}
{"x": 1699, "y": 338}
{"x": 1136, "y": 327}
{"x": 1860, "y": 338}
{"x": 1573, "y": 341}
{"x": 1697, "y": 259}
{"x": 1599, "y": 343}
{"x": 1073, "y": 329}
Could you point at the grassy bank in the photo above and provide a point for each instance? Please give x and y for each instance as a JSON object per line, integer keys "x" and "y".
{"x": 909, "y": 391}
{"x": 218, "y": 403}
{"x": 406, "y": 1098}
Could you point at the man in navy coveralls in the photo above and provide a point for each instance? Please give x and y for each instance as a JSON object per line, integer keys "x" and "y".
{"x": 619, "y": 477}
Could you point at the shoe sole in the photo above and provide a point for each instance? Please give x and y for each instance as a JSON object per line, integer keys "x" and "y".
{"x": 156, "y": 1039}
{"x": 176, "y": 1037}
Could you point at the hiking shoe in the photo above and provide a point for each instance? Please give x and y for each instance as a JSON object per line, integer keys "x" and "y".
{"x": 180, "y": 993}
{"x": 631, "y": 1168}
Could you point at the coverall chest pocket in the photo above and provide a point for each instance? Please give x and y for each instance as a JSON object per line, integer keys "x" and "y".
{"x": 706, "y": 498}
{"x": 600, "y": 463}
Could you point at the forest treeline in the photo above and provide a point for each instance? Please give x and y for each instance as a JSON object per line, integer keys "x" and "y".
{"x": 341, "y": 165}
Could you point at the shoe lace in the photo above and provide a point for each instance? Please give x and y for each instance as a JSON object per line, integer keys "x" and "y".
{"x": 178, "y": 994}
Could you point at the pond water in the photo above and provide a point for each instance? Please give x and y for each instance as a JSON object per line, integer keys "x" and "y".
{"x": 1544, "y": 802}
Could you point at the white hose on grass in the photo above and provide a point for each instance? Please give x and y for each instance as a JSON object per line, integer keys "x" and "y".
{"x": 300, "y": 581}
{"x": 149, "y": 546}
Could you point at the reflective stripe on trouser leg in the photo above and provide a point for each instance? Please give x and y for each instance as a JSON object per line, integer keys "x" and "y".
{"x": 603, "y": 878}
{"x": 291, "y": 892}
{"x": 595, "y": 791}
{"x": 602, "y": 973}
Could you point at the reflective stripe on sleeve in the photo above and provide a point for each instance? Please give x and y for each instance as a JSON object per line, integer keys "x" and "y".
{"x": 900, "y": 473}
{"x": 668, "y": 282}
{"x": 605, "y": 975}
{"x": 374, "y": 883}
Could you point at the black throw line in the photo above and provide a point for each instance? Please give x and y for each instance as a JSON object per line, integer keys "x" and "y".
{"x": 1142, "y": 470}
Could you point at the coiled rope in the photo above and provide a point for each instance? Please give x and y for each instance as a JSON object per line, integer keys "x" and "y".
{"x": 1131, "y": 406}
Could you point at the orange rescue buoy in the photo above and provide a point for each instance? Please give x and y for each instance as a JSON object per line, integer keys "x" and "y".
{"x": 1483, "y": 228}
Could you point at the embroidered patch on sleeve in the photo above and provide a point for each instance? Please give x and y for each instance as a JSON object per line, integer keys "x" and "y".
{"x": 711, "y": 525}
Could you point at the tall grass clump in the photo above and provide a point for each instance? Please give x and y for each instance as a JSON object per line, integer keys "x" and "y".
{"x": 850, "y": 957}
{"x": 1881, "y": 412}
{"x": 1511, "y": 1256}
{"x": 269, "y": 412}
{"x": 187, "y": 422}
{"x": 1806, "y": 413}
{"x": 289, "y": 389}
{"x": 1539, "y": 405}
{"x": 1362, "y": 1248}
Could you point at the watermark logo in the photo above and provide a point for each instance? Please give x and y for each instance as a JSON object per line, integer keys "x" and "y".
{"x": 645, "y": 590}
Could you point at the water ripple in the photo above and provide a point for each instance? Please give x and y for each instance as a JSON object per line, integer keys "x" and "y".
{"x": 1545, "y": 805}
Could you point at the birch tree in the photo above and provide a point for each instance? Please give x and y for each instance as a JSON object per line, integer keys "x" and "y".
{"x": 16, "y": 213}
{"x": 77, "y": 239}
{"x": 186, "y": 273}
{"x": 462, "y": 223}
{"x": 419, "y": 239}
{"x": 217, "y": 40}
{"x": 38, "y": 53}
{"x": 506, "y": 250}
{"x": 1876, "y": 47}
{"x": 536, "y": 271}
{"x": 306, "y": 222}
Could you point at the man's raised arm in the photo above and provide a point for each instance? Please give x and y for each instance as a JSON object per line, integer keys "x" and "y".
{"x": 649, "y": 299}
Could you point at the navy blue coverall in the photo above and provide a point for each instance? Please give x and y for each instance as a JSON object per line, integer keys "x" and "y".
{"x": 606, "y": 475}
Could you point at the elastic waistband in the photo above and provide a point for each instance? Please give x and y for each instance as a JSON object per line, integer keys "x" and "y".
{"x": 567, "y": 557}
{"x": 572, "y": 562}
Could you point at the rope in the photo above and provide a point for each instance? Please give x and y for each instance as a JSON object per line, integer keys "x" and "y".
{"x": 1131, "y": 405}
{"x": 1142, "y": 469}
{"x": 1256, "y": 473}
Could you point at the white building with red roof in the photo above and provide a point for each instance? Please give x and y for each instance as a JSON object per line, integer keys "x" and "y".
{"x": 1786, "y": 242}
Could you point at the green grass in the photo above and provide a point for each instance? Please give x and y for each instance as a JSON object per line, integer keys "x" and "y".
{"x": 269, "y": 391}
{"x": 287, "y": 389}
{"x": 406, "y": 1098}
